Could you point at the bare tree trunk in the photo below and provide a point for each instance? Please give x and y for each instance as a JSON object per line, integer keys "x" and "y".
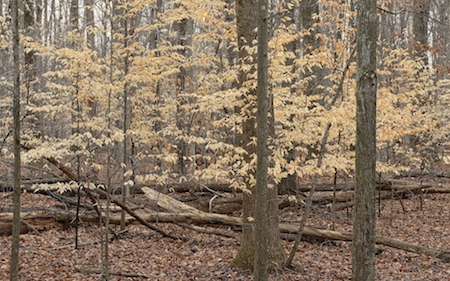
{"x": 310, "y": 43}
{"x": 260, "y": 268}
{"x": 363, "y": 246}
{"x": 14, "y": 269}
{"x": 184, "y": 40}
{"x": 126, "y": 125}
{"x": 89, "y": 22}
{"x": 420, "y": 28}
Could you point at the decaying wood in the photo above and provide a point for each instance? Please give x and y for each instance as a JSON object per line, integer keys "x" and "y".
{"x": 325, "y": 234}
{"x": 208, "y": 230}
{"x": 41, "y": 220}
{"x": 124, "y": 207}
{"x": 167, "y": 202}
{"x": 27, "y": 183}
{"x": 30, "y": 227}
{"x": 398, "y": 192}
{"x": 61, "y": 217}
{"x": 214, "y": 204}
{"x": 137, "y": 217}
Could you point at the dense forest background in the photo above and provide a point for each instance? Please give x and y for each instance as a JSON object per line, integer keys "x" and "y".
{"x": 117, "y": 95}
{"x": 157, "y": 83}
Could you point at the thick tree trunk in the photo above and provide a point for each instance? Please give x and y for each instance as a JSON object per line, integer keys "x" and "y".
{"x": 246, "y": 25}
{"x": 363, "y": 247}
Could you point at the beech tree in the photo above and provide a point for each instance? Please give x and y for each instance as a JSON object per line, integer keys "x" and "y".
{"x": 195, "y": 47}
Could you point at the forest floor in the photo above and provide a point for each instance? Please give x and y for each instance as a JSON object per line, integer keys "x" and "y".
{"x": 139, "y": 251}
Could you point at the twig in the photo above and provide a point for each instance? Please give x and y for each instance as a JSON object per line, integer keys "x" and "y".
{"x": 30, "y": 227}
{"x": 138, "y": 218}
{"x": 115, "y": 236}
{"x": 212, "y": 190}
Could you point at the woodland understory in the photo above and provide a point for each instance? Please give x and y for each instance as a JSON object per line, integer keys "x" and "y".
{"x": 48, "y": 252}
{"x": 123, "y": 95}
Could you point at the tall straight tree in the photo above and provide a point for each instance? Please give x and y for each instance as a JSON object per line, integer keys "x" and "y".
{"x": 246, "y": 19}
{"x": 14, "y": 269}
{"x": 260, "y": 267}
{"x": 363, "y": 247}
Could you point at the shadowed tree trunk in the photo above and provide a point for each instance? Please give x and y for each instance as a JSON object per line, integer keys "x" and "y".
{"x": 310, "y": 44}
{"x": 183, "y": 82}
{"x": 363, "y": 246}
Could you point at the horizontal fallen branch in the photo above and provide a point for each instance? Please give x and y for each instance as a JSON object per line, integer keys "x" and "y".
{"x": 176, "y": 205}
{"x": 209, "y": 218}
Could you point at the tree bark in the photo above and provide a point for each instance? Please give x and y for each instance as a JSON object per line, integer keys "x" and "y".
{"x": 363, "y": 246}
{"x": 89, "y": 23}
{"x": 246, "y": 25}
{"x": 260, "y": 267}
{"x": 14, "y": 266}
{"x": 420, "y": 29}
{"x": 245, "y": 15}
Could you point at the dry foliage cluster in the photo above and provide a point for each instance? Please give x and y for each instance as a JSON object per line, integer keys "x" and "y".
{"x": 155, "y": 81}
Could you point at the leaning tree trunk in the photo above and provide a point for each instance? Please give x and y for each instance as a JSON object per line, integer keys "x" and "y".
{"x": 363, "y": 247}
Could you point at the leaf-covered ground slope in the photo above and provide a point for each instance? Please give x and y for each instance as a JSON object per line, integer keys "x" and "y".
{"x": 206, "y": 257}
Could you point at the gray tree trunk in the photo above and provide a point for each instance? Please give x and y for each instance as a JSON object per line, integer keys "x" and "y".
{"x": 420, "y": 28}
{"x": 246, "y": 25}
{"x": 89, "y": 22}
{"x": 185, "y": 30}
{"x": 310, "y": 43}
{"x": 363, "y": 247}
{"x": 126, "y": 125}
{"x": 260, "y": 268}
{"x": 289, "y": 183}
{"x": 14, "y": 269}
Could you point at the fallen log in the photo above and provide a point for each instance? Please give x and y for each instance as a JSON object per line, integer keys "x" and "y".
{"x": 176, "y": 205}
{"x": 99, "y": 191}
{"x": 210, "y": 218}
{"x": 167, "y": 202}
{"x": 136, "y": 216}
